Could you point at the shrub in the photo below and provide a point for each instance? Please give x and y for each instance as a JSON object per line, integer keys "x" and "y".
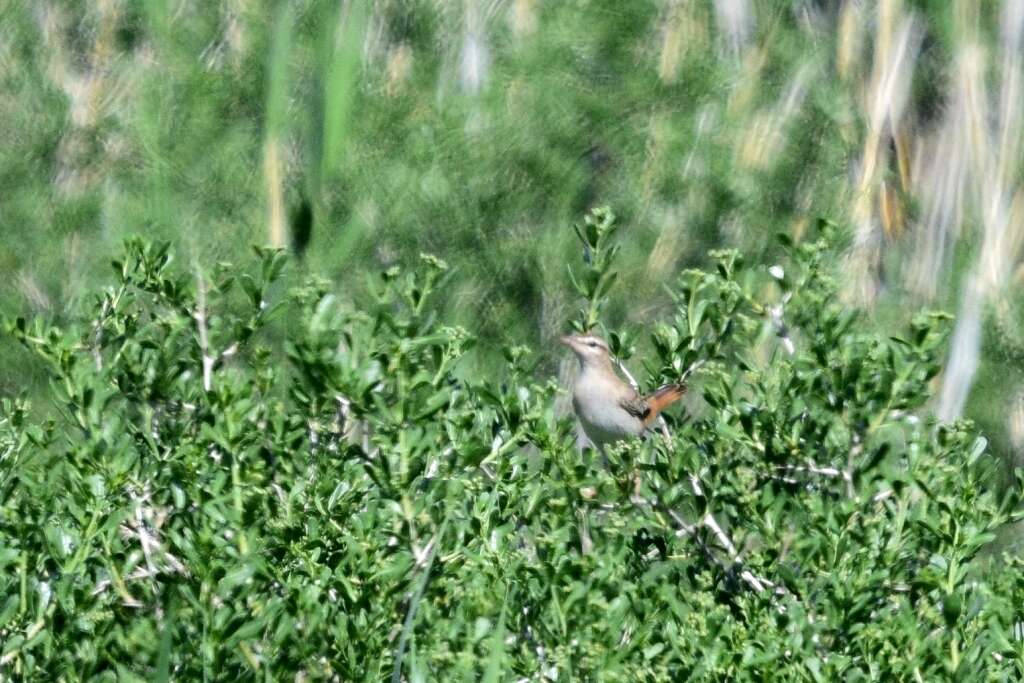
{"x": 208, "y": 501}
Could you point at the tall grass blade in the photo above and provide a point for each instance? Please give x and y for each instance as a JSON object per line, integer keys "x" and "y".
{"x": 496, "y": 657}
{"x": 276, "y": 111}
{"x": 341, "y": 52}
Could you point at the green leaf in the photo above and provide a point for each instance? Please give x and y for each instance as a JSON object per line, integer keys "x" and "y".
{"x": 496, "y": 655}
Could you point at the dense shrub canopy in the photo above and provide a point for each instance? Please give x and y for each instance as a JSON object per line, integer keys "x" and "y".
{"x": 210, "y": 502}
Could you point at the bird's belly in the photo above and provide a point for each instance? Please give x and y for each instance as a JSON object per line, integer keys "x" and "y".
{"x": 603, "y": 425}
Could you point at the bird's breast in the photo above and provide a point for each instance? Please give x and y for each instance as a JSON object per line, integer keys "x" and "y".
{"x": 600, "y": 413}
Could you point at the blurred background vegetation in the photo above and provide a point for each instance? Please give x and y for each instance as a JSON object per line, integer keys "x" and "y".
{"x": 359, "y": 134}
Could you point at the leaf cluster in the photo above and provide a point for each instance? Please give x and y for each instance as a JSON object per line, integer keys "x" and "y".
{"x": 210, "y": 501}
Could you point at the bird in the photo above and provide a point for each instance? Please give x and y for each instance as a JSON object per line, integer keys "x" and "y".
{"x": 608, "y": 408}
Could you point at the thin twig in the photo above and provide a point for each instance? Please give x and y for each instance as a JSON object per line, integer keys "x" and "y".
{"x": 204, "y": 340}
{"x": 97, "y": 337}
{"x": 709, "y": 521}
{"x": 776, "y": 313}
{"x": 697, "y": 365}
{"x": 759, "y": 584}
{"x": 813, "y": 468}
{"x": 851, "y": 461}
{"x": 632, "y": 381}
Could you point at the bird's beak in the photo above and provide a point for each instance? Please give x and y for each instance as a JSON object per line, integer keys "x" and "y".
{"x": 567, "y": 339}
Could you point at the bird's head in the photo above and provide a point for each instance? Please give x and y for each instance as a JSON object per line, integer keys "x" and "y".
{"x": 590, "y": 350}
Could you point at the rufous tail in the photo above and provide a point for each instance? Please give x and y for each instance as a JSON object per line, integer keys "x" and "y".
{"x": 663, "y": 398}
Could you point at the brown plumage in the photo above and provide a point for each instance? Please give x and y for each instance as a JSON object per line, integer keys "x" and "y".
{"x": 648, "y": 407}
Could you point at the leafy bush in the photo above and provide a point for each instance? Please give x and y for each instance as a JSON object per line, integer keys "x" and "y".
{"x": 210, "y": 502}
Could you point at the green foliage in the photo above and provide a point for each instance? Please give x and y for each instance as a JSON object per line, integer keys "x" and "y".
{"x": 211, "y": 502}
{"x": 137, "y": 117}
{"x": 397, "y": 158}
{"x": 597, "y": 278}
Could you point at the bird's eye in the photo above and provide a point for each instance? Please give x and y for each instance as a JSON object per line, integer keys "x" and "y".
{"x": 592, "y": 344}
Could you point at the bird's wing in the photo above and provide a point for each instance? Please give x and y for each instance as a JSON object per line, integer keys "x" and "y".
{"x": 635, "y": 405}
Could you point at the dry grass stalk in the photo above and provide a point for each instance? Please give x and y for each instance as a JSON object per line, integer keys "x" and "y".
{"x": 896, "y": 43}
{"x": 736, "y": 22}
{"x": 272, "y": 175}
{"x": 524, "y": 18}
{"x": 994, "y": 153}
{"x": 682, "y": 29}
{"x": 850, "y": 37}
{"x": 92, "y": 91}
{"x": 766, "y": 138}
